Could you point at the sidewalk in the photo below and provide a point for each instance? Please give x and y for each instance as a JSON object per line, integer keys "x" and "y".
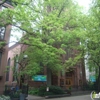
{"x": 32, "y": 97}
{"x": 76, "y": 93}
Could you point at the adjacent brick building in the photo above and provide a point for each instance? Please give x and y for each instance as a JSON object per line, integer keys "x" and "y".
{"x": 4, "y": 37}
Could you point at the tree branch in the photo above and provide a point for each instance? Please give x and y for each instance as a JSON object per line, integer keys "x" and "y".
{"x": 96, "y": 62}
{"x": 21, "y": 28}
{"x": 62, "y": 8}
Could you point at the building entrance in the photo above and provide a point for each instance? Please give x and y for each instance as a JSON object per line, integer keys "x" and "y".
{"x": 69, "y": 82}
{"x": 69, "y": 79}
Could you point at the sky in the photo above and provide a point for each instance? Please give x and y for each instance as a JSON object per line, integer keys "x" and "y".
{"x": 15, "y": 35}
{"x": 83, "y": 3}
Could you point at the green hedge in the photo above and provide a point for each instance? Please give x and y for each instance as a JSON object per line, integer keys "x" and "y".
{"x": 53, "y": 90}
{"x": 33, "y": 91}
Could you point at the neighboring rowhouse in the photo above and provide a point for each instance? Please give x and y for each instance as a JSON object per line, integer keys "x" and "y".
{"x": 13, "y": 65}
{"x": 4, "y": 37}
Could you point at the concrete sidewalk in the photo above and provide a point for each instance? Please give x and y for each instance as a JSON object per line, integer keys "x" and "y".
{"x": 76, "y": 93}
{"x": 32, "y": 97}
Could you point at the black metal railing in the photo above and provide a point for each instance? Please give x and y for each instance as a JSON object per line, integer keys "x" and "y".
{"x": 15, "y": 92}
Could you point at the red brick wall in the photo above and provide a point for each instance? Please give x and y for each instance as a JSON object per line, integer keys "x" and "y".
{"x": 4, "y": 60}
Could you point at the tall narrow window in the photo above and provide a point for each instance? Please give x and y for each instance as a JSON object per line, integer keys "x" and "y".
{"x": 15, "y": 70}
{"x": 8, "y": 70}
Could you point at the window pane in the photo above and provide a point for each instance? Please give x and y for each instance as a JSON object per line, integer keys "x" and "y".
{"x": 2, "y": 33}
{"x": 15, "y": 68}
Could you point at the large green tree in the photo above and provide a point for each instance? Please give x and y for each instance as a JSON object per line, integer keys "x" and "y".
{"x": 90, "y": 39}
{"x": 52, "y": 32}
{"x": 56, "y": 29}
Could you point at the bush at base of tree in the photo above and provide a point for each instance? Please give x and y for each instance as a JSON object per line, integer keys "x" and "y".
{"x": 33, "y": 91}
{"x": 53, "y": 90}
{"x": 91, "y": 85}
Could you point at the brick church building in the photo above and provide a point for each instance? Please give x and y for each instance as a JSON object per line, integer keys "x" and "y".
{"x": 74, "y": 78}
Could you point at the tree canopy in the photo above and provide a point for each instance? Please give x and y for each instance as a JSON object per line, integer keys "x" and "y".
{"x": 52, "y": 30}
{"x": 92, "y": 41}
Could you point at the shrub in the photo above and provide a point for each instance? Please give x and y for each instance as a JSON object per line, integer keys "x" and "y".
{"x": 91, "y": 86}
{"x": 33, "y": 91}
{"x": 48, "y": 93}
{"x": 56, "y": 90}
{"x": 53, "y": 90}
{"x": 42, "y": 90}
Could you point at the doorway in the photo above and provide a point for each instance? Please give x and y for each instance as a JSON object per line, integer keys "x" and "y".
{"x": 69, "y": 79}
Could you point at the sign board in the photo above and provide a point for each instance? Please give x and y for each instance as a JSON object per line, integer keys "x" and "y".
{"x": 40, "y": 78}
{"x": 92, "y": 78}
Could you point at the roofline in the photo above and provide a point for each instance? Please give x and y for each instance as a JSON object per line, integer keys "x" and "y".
{"x": 13, "y": 46}
{"x": 6, "y": 4}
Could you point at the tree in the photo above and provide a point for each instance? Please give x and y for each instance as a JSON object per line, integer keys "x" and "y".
{"x": 90, "y": 41}
{"x": 58, "y": 30}
{"x": 51, "y": 32}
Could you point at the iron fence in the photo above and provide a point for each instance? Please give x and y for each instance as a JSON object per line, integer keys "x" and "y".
{"x": 14, "y": 92}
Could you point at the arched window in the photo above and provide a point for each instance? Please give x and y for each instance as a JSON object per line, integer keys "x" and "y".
{"x": 8, "y": 70}
{"x": 15, "y": 68}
